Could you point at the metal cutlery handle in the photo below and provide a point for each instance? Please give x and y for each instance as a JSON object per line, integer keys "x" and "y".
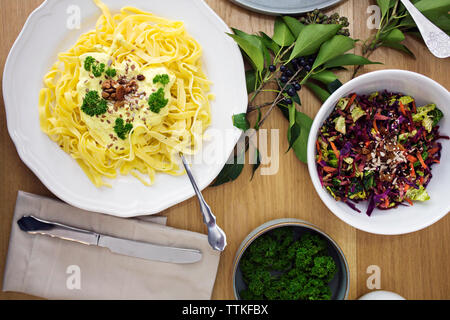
{"x": 216, "y": 237}
{"x": 436, "y": 40}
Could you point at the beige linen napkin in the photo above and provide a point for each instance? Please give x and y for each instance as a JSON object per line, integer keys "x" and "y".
{"x": 58, "y": 269}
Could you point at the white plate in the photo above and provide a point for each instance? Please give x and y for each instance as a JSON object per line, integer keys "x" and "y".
{"x": 402, "y": 219}
{"x": 45, "y": 34}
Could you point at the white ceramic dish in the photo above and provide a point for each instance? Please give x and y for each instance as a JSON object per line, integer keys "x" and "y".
{"x": 45, "y": 34}
{"x": 403, "y": 219}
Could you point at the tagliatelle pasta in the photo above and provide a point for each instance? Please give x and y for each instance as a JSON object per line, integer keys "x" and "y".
{"x": 128, "y": 97}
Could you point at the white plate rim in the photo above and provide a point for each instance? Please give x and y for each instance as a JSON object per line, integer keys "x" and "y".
{"x": 263, "y": 9}
{"x": 62, "y": 193}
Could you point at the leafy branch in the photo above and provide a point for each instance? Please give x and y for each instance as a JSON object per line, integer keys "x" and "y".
{"x": 396, "y": 23}
{"x": 304, "y": 52}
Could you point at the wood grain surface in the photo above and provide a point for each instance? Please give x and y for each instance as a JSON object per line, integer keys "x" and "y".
{"x": 414, "y": 265}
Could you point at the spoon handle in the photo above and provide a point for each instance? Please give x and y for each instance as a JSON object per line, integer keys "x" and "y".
{"x": 216, "y": 236}
{"x": 436, "y": 40}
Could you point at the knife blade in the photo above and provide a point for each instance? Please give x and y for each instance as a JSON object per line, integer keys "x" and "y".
{"x": 138, "y": 249}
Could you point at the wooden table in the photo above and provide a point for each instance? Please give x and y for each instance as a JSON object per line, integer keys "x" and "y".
{"x": 414, "y": 265}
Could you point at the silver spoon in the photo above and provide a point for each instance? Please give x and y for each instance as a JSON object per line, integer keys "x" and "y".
{"x": 436, "y": 40}
{"x": 216, "y": 237}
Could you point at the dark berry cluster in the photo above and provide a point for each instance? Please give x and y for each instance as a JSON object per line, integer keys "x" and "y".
{"x": 318, "y": 17}
{"x": 289, "y": 70}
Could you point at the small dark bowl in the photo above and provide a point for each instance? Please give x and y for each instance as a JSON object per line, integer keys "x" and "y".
{"x": 339, "y": 285}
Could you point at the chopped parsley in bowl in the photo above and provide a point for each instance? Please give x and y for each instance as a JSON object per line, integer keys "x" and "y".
{"x": 379, "y": 148}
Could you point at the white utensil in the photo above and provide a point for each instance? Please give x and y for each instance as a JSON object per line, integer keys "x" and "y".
{"x": 436, "y": 40}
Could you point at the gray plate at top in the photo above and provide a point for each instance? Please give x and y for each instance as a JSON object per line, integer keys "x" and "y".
{"x": 276, "y": 7}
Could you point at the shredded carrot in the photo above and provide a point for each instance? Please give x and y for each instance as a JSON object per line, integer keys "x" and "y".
{"x": 421, "y": 180}
{"x": 411, "y": 158}
{"x": 413, "y": 172}
{"x": 409, "y": 201}
{"x": 335, "y": 150}
{"x": 375, "y": 126}
{"x": 386, "y": 202}
{"x": 402, "y": 108}
{"x": 367, "y": 143}
{"x": 350, "y": 102}
{"x": 401, "y": 147}
{"x": 329, "y": 169}
{"x": 319, "y": 151}
{"x": 421, "y": 161}
{"x": 433, "y": 151}
{"x": 406, "y": 187}
{"x": 414, "y": 107}
{"x": 436, "y": 161}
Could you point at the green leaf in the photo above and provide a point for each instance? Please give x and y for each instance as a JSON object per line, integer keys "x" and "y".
{"x": 333, "y": 86}
{"x": 257, "y": 163}
{"x": 300, "y": 146}
{"x": 240, "y": 121}
{"x": 333, "y": 48}
{"x": 282, "y": 35}
{"x": 312, "y": 37}
{"x": 326, "y": 77}
{"x": 431, "y": 9}
{"x": 231, "y": 171}
{"x": 251, "y": 80}
{"x": 394, "y": 36}
{"x": 384, "y": 6}
{"x": 293, "y": 134}
{"x": 329, "y": 79}
{"x": 269, "y": 43}
{"x": 252, "y": 50}
{"x": 294, "y": 25}
{"x": 321, "y": 93}
{"x": 348, "y": 59}
{"x": 294, "y": 128}
{"x": 256, "y": 41}
{"x": 399, "y": 47}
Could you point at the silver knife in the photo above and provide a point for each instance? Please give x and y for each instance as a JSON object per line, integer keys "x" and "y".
{"x": 138, "y": 249}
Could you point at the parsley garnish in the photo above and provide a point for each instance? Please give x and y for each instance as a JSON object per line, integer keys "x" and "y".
{"x": 157, "y": 101}
{"x": 122, "y": 129}
{"x": 93, "y": 105}
{"x": 161, "y": 78}
{"x": 110, "y": 72}
{"x": 98, "y": 69}
{"x": 90, "y": 64}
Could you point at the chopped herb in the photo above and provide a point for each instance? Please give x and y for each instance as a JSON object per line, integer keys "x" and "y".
{"x": 88, "y": 63}
{"x": 98, "y": 69}
{"x": 161, "y": 78}
{"x": 121, "y": 129}
{"x": 110, "y": 72}
{"x": 93, "y": 105}
{"x": 157, "y": 101}
{"x": 277, "y": 266}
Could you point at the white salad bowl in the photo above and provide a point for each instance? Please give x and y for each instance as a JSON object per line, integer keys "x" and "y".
{"x": 404, "y": 219}
{"x": 54, "y": 28}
